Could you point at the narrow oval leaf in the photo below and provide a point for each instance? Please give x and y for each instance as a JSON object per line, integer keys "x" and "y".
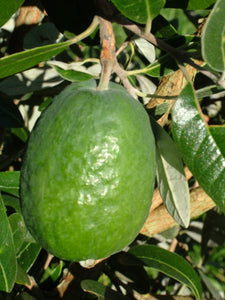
{"x": 170, "y": 264}
{"x": 9, "y": 182}
{"x": 21, "y": 61}
{"x": 213, "y": 37}
{"x": 141, "y": 11}
{"x": 215, "y": 292}
{"x": 72, "y": 75}
{"x": 8, "y": 8}
{"x": 7, "y": 253}
{"x": 171, "y": 179}
{"x": 197, "y": 146}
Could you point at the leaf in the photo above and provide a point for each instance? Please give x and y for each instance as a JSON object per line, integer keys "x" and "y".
{"x": 7, "y": 253}
{"x": 191, "y": 4}
{"x": 72, "y": 75}
{"x": 213, "y": 37}
{"x": 140, "y": 12}
{"x": 197, "y": 146}
{"x": 171, "y": 179}
{"x": 10, "y": 115}
{"x": 146, "y": 86}
{"x": 41, "y": 35}
{"x": 27, "y": 255}
{"x": 11, "y": 201}
{"x": 53, "y": 272}
{"x": 21, "y": 276}
{"x": 8, "y": 8}
{"x": 199, "y": 4}
{"x": 170, "y": 264}
{"x": 146, "y": 49}
{"x": 21, "y": 61}
{"x": 101, "y": 291}
{"x": 9, "y": 182}
{"x": 215, "y": 293}
{"x": 180, "y": 20}
{"x": 18, "y": 230}
{"x": 218, "y": 133}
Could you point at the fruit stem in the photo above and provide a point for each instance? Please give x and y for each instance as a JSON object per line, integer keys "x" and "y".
{"x": 108, "y": 54}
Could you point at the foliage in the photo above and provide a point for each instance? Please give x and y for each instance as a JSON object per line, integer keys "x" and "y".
{"x": 170, "y": 56}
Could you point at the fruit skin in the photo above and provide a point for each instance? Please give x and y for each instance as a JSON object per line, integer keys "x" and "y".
{"x": 88, "y": 174}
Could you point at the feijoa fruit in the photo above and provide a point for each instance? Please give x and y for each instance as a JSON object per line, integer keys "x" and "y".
{"x": 88, "y": 173}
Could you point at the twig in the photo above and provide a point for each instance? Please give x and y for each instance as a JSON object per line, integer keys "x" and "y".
{"x": 123, "y": 77}
{"x": 200, "y": 203}
{"x": 108, "y": 55}
{"x": 179, "y": 55}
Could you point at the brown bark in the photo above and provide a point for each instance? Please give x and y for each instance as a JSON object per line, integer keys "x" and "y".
{"x": 160, "y": 220}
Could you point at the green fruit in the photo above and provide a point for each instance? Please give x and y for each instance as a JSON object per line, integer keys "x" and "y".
{"x": 88, "y": 174}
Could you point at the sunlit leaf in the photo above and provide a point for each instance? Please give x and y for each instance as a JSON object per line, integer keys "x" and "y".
{"x": 213, "y": 37}
{"x": 72, "y": 75}
{"x": 21, "y": 61}
{"x": 171, "y": 179}
{"x": 198, "y": 147}
{"x": 169, "y": 263}
{"x": 218, "y": 133}
{"x": 215, "y": 293}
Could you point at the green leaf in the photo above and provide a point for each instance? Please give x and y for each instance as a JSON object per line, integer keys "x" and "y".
{"x": 27, "y": 255}
{"x": 10, "y": 115}
{"x": 21, "y": 133}
{"x": 213, "y": 37}
{"x": 190, "y": 5}
{"x": 215, "y": 293}
{"x": 218, "y": 133}
{"x": 53, "y": 272}
{"x": 21, "y": 61}
{"x": 7, "y": 253}
{"x": 72, "y": 75}
{"x": 21, "y": 276}
{"x": 18, "y": 230}
{"x": 8, "y": 8}
{"x": 199, "y": 4}
{"x": 171, "y": 179}
{"x": 170, "y": 264}
{"x": 197, "y": 146}
{"x": 101, "y": 291}
{"x": 177, "y": 16}
{"x": 140, "y": 12}
{"x": 11, "y": 201}
{"x": 9, "y": 182}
